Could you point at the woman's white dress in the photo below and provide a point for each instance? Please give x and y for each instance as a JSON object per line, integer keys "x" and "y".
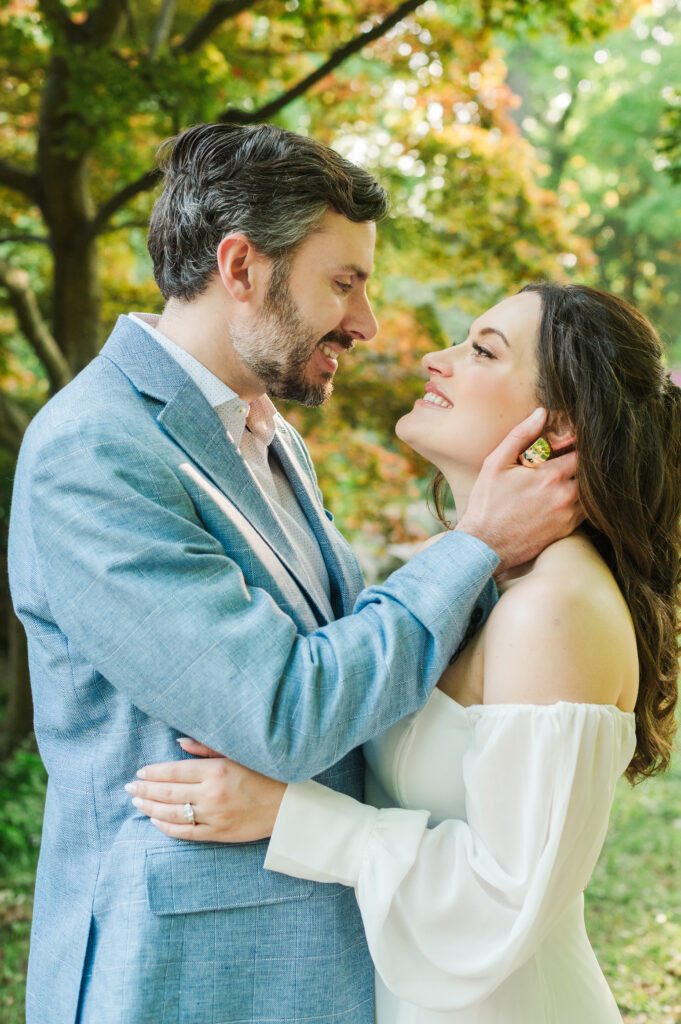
{"x": 473, "y": 908}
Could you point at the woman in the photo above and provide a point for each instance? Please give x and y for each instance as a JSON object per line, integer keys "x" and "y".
{"x": 473, "y": 909}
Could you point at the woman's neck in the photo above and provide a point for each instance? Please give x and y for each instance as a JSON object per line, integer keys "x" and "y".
{"x": 460, "y": 482}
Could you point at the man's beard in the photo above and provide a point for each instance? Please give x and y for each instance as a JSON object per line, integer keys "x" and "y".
{"x": 278, "y": 348}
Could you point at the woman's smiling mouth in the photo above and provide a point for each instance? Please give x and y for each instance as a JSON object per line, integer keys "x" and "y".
{"x": 435, "y": 397}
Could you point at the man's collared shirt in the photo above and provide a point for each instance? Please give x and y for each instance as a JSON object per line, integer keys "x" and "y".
{"x": 234, "y": 412}
{"x": 251, "y": 428}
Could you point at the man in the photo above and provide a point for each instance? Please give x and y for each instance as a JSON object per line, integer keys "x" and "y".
{"x": 176, "y": 572}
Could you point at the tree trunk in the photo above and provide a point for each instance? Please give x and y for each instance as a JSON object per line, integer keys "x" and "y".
{"x": 18, "y": 718}
{"x": 69, "y": 210}
{"x": 76, "y": 299}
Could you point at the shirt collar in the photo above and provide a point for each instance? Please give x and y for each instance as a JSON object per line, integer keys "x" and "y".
{"x": 234, "y": 412}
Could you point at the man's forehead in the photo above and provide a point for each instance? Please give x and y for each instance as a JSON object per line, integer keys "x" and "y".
{"x": 326, "y": 259}
{"x": 337, "y": 224}
{"x": 347, "y": 247}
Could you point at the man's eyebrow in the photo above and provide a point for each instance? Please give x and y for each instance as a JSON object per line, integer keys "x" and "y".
{"x": 352, "y": 268}
{"x": 494, "y": 330}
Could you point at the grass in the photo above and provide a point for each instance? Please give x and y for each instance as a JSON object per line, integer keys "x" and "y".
{"x": 633, "y": 899}
{"x": 22, "y": 795}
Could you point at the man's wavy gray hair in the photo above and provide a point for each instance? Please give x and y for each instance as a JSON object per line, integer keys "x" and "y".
{"x": 267, "y": 183}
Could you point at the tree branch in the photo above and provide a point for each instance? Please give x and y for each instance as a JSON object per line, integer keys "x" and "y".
{"x": 104, "y": 19}
{"x": 131, "y": 22}
{"x": 13, "y": 423}
{"x": 163, "y": 27}
{"x": 125, "y": 226}
{"x": 235, "y": 116}
{"x": 205, "y": 27}
{"x": 28, "y": 239}
{"x": 23, "y": 301}
{"x": 20, "y": 180}
{"x": 115, "y": 202}
{"x": 218, "y": 13}
{"x": 57, "y": 15}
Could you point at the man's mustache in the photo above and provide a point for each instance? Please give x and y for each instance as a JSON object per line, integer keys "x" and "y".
{"x": 341, "y": 338}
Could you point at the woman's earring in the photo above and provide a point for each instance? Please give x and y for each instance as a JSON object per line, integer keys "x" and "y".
{"x": 537, "y": 453}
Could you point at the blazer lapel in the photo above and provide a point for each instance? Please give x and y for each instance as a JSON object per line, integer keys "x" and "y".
{"x": 345, "y": 575}
{"x": 193, "y": 424}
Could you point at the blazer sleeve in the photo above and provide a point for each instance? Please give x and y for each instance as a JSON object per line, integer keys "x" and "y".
{"x": 150, "y": 598}
{"x": 450, "y": 912}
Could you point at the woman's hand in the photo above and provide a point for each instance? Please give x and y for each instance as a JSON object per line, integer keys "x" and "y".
{"x": 231, "y": 804}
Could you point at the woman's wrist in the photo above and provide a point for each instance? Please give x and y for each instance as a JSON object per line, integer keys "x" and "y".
{"x": 320, "y": 834}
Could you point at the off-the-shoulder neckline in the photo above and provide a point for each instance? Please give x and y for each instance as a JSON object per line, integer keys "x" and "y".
{"x": 492, "y": 708}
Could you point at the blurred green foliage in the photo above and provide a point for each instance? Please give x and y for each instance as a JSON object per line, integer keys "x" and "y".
{"x": 595, "y": 113}
{"x": 22, "y": 795}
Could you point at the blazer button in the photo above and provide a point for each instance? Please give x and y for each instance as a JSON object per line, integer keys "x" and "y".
{"x": 474, "y": 623}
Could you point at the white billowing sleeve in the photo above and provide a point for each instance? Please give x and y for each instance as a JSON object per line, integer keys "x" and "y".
{"x": 450, "y": 912}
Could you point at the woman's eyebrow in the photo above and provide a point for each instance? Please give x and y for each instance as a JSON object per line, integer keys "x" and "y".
{"x": 495, "y": 330}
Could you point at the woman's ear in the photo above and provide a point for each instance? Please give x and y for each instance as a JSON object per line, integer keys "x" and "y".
{"x": 560, "y": 434}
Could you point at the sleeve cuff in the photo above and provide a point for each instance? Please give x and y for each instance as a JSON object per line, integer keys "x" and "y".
{"x": 475, "y": 544}
{"x": 320, "y": 834}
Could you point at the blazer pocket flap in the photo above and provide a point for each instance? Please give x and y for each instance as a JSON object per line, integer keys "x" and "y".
{"x": 192, "y": 880}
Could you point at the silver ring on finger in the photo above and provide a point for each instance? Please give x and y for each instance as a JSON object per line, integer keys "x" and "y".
{"x": 188, "y": 814}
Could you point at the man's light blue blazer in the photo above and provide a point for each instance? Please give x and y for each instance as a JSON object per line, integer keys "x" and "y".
{"x": 161, "y": 597}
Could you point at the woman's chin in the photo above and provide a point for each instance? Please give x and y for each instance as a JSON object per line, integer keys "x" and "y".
{"x": 408, "y": 429}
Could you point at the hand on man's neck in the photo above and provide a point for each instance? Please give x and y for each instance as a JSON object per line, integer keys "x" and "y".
{"x": 201, "y": 328}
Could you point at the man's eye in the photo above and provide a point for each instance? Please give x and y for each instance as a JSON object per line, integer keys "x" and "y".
{"x": 344, "y": 286}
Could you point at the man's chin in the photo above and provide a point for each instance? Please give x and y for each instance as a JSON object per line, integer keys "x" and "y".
{"x": 307, "y": 392}
{"x": 317, "y": 394}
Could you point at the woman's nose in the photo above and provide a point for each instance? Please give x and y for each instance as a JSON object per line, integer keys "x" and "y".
{"x": 438, "y": 363}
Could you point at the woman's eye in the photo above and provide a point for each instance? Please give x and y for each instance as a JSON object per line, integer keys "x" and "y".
{"x": 480, "y": 350}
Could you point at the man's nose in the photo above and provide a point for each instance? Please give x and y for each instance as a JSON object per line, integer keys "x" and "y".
{"x": 360, "y": 321}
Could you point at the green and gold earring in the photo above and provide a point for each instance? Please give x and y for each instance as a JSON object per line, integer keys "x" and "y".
{"x": 537, "y": 453}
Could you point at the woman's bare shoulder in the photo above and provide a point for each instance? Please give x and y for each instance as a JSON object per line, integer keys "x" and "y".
{"x": 562, "y": 632}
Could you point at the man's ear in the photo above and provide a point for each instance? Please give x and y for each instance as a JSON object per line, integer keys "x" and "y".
{"x": 243, "y": 271}
{"x": 560, "y": 433}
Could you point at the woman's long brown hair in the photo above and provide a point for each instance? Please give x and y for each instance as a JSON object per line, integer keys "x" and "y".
{"x": 600, "y": 366}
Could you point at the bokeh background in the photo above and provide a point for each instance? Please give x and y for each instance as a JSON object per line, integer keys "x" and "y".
{"x": 519, "y": 140}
